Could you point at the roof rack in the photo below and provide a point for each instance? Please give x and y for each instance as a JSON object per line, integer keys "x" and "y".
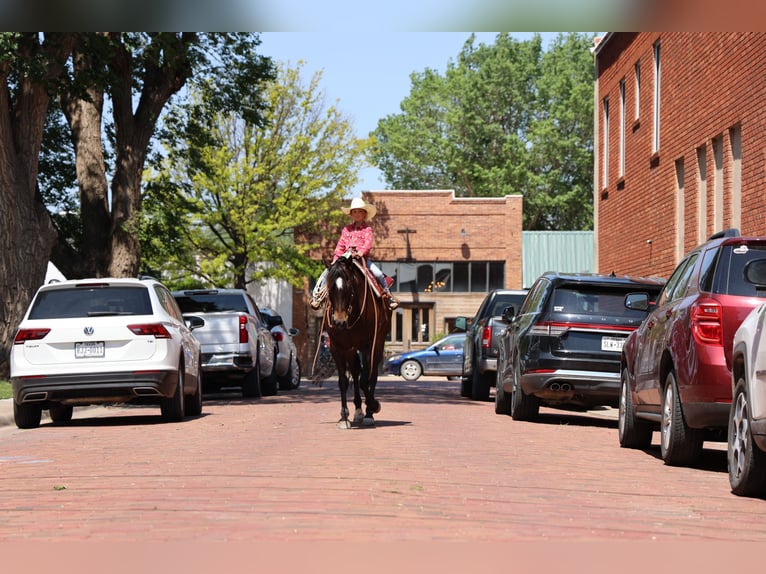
{"x": 731, "y": 232}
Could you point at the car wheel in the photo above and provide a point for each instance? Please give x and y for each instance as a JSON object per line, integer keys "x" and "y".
{"x": 480, "y": 384}
{"x": 410, "y": 370}
{"x": 746, "y": 462}
{"x": 523, "y": 407}
{"x": 632, "y": 432}
{"x": 251, "y": 384}
{"x": 679, "y": 444}
{"x": 172, "y": 408}
{"x": 193, "y": 406}
{"x": 286, "y": 380}
{"x": 502, "y": 399}
{"x": 465, "y": 387}
{"x": 270, "y": 385}
{"x": 27, "y": 416}
{"x": 61, "y": 413}
{"x": 297, "y": 374}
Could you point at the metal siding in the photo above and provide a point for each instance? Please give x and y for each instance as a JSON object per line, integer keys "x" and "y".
{"x": 565, "y": 251}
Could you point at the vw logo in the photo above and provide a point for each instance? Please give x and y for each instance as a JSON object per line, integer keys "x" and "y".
{"x": 88, "y": 330}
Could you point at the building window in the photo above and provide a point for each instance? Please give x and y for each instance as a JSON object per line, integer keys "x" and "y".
{"x": 445, "y": 277}
{"x": 701, "y": 194}
{"x": 656, "y": 122}
{"x": 605, "y": 167}
{"x": 621, "y": 167}
{"x": 718, "y": 183}
{"x": 638, "y": 90}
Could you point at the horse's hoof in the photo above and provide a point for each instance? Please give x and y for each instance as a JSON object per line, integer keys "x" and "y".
{"x": 368, "y": 422}
{"x": 344, "y": 424}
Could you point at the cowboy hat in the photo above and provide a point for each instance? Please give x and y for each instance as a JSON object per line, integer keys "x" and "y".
{"x": 359, "y": 203}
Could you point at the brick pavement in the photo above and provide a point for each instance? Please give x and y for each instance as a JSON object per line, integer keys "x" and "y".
{"x": 436, "y": 467}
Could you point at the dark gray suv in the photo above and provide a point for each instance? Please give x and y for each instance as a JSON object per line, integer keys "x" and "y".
{"x": 563, "y": 347}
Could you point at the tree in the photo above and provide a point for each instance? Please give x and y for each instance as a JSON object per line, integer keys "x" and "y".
{"x": 226, "y": 193}
{"x": 132, "y": 76}
{"x": 505, "y": 118}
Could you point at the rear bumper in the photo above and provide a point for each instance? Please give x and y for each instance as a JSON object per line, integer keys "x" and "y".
{"x": 94, "y": 388}
{"x": 564, "y": 385}
{"x": 707, "y": 414}
{"x": 487, "y": 364}
{"x": 237, "y": 363}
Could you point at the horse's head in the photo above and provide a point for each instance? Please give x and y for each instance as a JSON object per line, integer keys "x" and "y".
{"x": 345, "y": 285}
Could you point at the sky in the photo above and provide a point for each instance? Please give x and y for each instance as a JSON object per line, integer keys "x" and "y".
{"x": 369, "y": 73}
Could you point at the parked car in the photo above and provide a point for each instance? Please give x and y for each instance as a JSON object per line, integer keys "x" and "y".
{"x": 746, "y": 452}
{"x": 676, "y": 368}
{"x": 444, "y": 358}
{"x": 238, "y": 349}
{"x": 480, "y": 351}
{"x": 288, "y": 362}
{"x": 95, "y": 341}
{"x": 562, "y": 349}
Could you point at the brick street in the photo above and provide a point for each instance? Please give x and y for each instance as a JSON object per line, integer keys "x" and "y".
{"x": 436, "y": 467}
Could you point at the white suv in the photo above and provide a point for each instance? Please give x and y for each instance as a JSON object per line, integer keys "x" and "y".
{"x": 95, "y": 341}
{"x": 746, "y": 455}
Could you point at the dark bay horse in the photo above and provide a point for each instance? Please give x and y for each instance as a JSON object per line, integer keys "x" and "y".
{"x": 357, "y": 321}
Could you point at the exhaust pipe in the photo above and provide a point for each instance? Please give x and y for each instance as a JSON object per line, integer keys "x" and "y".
{"x": 555, "y": 387}
{"x": 566, "y": 387}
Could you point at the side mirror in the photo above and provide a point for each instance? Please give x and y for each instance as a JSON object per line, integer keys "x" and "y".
{"x": 461, "y": 323}
{"x": 509, "y": 313}
{"x": 637, "y": 301}
{"x": 293, "y": 331}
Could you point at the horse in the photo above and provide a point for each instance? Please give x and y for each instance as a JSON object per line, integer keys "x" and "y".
{"x": 357, "y": 320}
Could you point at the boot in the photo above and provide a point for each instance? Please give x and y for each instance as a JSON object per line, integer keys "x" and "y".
{"x": 392, "y": 301}
{"x": 316, "y": 302}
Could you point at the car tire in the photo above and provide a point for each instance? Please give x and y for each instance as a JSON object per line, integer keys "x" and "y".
{"x": 251, "y": 384}
{"x": 523, "y": 407}
{"x": 286, "y": 380}
{"x": 465, "y": 387}
{"x": 193, "y": 406}
{"x": 27, "y": 416}
{"x": 631, "y": 432}
{"x": 410, "y": 370}
{"x": 679, "y": 444}
{"x": 502, "y": 399}
{"x": 270, "y": 384}
{"x": 745, "y": 461}
{"x": 172, "y": 408}
{"x": 61, "y": 413}
{"x": 480, "y": 384}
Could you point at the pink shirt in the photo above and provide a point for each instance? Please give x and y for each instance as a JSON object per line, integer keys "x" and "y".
{"x": 353, "y": 235}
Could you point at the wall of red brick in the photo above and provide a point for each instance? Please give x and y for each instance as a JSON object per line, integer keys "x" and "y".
{"x": 710, "y": 84}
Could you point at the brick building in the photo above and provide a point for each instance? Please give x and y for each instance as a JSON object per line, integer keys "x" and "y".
{"x": 444, "y": 254}
{"x": 680, "y": 137}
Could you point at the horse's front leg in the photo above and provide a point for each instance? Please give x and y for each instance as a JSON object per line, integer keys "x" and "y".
{"x": 372, "y": 404}
{"x": 358, "y": 415}
{"x": 343, "y": 423}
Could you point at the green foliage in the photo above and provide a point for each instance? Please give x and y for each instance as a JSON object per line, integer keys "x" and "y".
{"x": 6, "y": 392}
{"x": 505, "y": 118}
{"x": 226, "y": 195}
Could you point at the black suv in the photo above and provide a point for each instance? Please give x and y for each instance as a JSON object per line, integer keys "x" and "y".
{"x": 563, "y": 347}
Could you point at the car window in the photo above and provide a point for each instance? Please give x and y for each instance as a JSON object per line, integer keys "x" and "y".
{"x": 594, "y": 300}
{"x": 734, "y": 259}
{"x": 168, "y": 302}
{"x": 211, "y": 303}
{"x": 91, "y": 302}
{"x": 677, "y": 281}
{"x": 453, "y": 343}
{"x": 534, "y": 297}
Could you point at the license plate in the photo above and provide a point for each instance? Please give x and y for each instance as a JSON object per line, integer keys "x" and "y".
{"x": 612, "y": 343}
{"x": 89, "y": 349}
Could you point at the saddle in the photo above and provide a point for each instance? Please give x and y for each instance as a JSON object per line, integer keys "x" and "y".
{"x": 371, "y": 280}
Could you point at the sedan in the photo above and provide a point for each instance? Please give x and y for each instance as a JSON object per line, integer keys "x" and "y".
{"x": 95, "y": 341}
{"x": 443, "y": 358}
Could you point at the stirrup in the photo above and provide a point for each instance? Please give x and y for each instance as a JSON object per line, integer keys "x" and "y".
{"x": 315, "y": 303}
{"x": 393, "y": 303}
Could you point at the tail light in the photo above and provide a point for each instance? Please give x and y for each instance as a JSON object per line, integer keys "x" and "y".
{"x": 243, "y": 335}
{"x": 156, "y": 330}
{"x": 706, "y": 322}
{"x": 549, "y": 329}
{"x": 279, "y": 336}
{"x": 29, "y": 335}
{"x": 486, "y": 337}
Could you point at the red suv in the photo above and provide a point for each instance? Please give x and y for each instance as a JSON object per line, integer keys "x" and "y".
{"x": 676, "y": 367}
